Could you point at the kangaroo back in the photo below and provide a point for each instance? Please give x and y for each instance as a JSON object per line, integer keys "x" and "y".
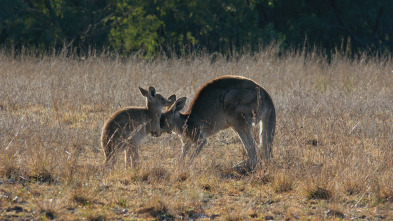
{"x": 123, "y": 128}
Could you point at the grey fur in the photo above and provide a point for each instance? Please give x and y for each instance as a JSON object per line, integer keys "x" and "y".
{"x": 228, "y": 101}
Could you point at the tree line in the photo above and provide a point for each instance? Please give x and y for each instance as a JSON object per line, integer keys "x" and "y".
{"x": 151, "y": 26}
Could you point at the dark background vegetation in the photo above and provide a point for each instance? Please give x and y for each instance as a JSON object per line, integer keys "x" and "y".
{"x": 224, "y": 26}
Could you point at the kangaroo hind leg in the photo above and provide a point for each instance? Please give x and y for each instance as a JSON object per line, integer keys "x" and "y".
{"x": 244, "y": 130}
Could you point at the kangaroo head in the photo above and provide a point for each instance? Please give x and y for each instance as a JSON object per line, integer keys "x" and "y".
{"x": 155, "y": 102}
{"x": 172, "y": 116}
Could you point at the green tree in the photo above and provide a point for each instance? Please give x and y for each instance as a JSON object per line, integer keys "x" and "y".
{"x": 367, "y": 25}
{"x": 132, "y": 29}
{"x": 183, "y": 25}
{"x": 44, "y": 24}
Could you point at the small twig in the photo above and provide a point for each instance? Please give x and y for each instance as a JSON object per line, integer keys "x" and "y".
{"x": 12, "y": 140}
{"x": 353, "y": 128}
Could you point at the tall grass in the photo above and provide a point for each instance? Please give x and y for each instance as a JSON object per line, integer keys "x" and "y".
{"x": 332, "y": 150}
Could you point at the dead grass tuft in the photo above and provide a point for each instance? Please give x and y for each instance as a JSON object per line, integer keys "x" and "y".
{"x": 43, "y": 175}
{"x": 9, "y": 167}
{"x": 282, "y": 183}
{"x": 262, "y": 178}
{"x": 318, "y": 193}
{"x": 11, "y": 171}
{"x": 154, "y": 174}
{"x": 80, "y": 199}
{"x": 352, "y": 187}
{"x": 157, "y": 209}
{"x": 82, "y": 196}
{"x": 384, "y": 188}
{"x": 182, "y": 176}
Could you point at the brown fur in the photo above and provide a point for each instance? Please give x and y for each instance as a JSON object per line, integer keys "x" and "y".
{"x": 228, "y": 101}
{"x": 125, "y": 128}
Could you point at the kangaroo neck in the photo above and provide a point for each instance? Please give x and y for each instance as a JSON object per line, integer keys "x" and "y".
{"x": 154, "y": 112}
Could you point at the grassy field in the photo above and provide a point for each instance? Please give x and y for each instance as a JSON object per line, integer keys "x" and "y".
{"x": 333, "y": 149}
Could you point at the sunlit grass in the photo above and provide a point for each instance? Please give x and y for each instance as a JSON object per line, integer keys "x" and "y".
{"x": 333, "y": 154}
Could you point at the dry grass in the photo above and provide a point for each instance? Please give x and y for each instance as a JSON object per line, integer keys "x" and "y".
{"x": 333, "y": 147}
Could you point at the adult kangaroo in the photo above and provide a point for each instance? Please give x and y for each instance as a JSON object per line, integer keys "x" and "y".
{"x": 125, "y": 128}
{"x": 228, "y": 101}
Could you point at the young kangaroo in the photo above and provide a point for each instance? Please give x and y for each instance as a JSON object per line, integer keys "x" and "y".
{"x": 228, "y": 101}
{"x": 125, "y": 128}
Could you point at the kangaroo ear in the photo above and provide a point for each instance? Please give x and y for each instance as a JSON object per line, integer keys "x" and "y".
{"x": 152, "y": 91}
{"x": 144, "y": 92}
{"x": 180, "y": 103}
{"x": 172, "y": 98}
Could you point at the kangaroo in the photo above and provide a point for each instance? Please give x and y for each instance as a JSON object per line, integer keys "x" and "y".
{"x": 125, "y": 128}
{"x": 228, "y": 101}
